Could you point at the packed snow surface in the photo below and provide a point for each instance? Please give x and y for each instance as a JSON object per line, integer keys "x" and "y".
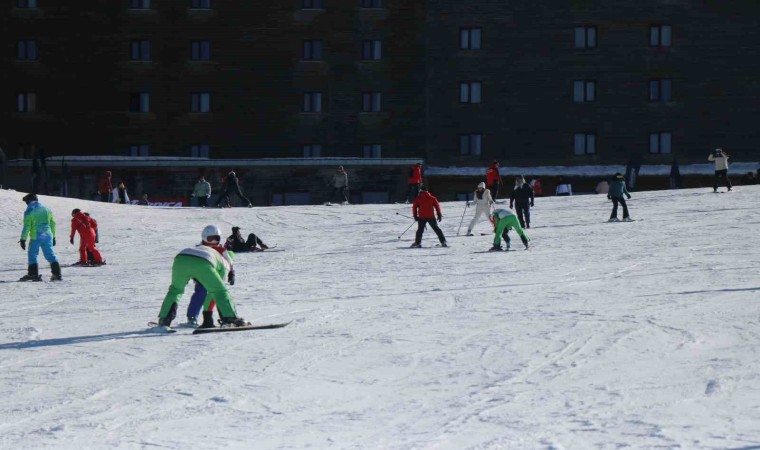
{"x": 601, "y": 336}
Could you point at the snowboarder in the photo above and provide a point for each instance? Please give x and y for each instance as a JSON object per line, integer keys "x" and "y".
{"x": 339, "y": 184}
{"x": 617, "y": 190}
{"x": 522, "y": 197}
{"x": 493, "y": 179}
{"x": 483, "y": 203}
{"x": 503, "y": 221}
{"x": 236, "y": 243}
{"x": 720, "y": 158}
{"x": 425, "y": 208}
{"x": 94, "y": 224}
{"x": 233, "y": 187}
{"x": 206, "y": 265}
{"x": 413, "y": 182}
{"x": 120, "y": 194}
{"x": 39, "y": 225}
{"x": 198, "y": 299}
{"x": 86, "y": 227}
{"x": 202, "y": 191}
{"x": 105, "y": 187}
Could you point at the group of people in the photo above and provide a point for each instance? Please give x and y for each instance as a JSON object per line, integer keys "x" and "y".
{"x": 230, "y": 186}
{"x": 110, "y": 194}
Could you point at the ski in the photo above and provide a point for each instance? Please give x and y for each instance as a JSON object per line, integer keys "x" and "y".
{"x": 245, "y": 328}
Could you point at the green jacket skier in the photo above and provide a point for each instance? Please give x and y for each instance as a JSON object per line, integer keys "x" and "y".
{"x": 39, "y": 227}
{"x": 503, "y": 221}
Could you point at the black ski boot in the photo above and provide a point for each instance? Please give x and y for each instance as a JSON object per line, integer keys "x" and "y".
{"x": 234, "y": 322}
{"x": 208, "y": 320}
{"x": 495, "y": 248}
{"x": 56, "y": 269}
{"x": 524, "y": 241}
{"x": 167, "y": 321}
{"x": 33, "y": 274}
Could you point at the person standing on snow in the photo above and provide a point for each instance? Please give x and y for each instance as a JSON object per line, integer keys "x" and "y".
{"x": 493, "y": 179}
{"x": 425, "y": 209}
{"x": 503, "y": 221}
{"x": 483, "y": 203}
{"x": 522, "y": 197}
{"x": 339, "y": 184}
{"x": 105, "y": 187}
{"x": 86, "y": 227}
{"x": 198, "y": 300}
{"x": 39, "y": 225}
{"x": 563, "y": 188}
{"x": 617, "y": 190}
{"x": 120, "y": 194}
{"x": 413, "y": 182}
{"x": 720, "y": 158}
{"x": 535, "y": 184}
{"x": 207, "y": 266}
{"x": 233, "y": 187}
{"x": 202, "y": 191}
{"x": 236, "y": 243}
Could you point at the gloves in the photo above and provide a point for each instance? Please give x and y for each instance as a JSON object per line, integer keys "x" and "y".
{"x": 53, "y": 242}
{"x": 22, "y": 243}
{"x": 629, "y": 196}
{"x": 511, "y": 206}
{"x": 416, "y": 219}
{"x": 72, "y": 241}
{"x": 531, "y": 204}
{"x": 440, "y": 217}
{"x": 231, "y": 277}
{"x": 609, "y": 197}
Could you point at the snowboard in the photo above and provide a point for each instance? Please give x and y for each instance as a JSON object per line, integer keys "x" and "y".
{"x": 246, "y": 328}
{"x": 154, "y": 328}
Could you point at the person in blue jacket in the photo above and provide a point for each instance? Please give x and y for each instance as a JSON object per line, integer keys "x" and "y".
{"x": 616, "y": 192}
{"x": 39, "y": 226}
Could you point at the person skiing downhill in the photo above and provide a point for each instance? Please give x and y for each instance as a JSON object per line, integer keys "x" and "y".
{"x": 425, "y": 208}
{"x": 86, "y": 227}
{"x": 503, "y": 221}
{"x": 522, "y": 197}
{"x": 39, "y": 226}
{"x": 206, "y": 265}
{"x": 483, "y": 203}
{"x": 617, "y": 190}
{"x": 198, "y": 299}
{"x": 720, "y": 158}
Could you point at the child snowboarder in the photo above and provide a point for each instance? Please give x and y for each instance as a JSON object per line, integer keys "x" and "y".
{"x": 522, "y": 197}
{"x": 39, "y": 225}
{"x": 86, "y": 227}
{"x": 617, "y": 190}
{"x": 206, "y": 265}
{"x": 236, "y": 243}
{"x": 198, "y": 300}
{"x": 425, "y": 208}
{"x": 483, "y": 203}
{"x": 503, "y": 221}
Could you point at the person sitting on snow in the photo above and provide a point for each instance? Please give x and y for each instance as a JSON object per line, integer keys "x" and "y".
{"x": 236, "y": 243}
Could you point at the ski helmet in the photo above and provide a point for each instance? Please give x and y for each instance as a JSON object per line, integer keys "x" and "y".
{"x": 211, "y": 231}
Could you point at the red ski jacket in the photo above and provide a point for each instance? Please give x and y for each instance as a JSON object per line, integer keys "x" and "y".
{"x": 105, "y": 187}
{"x": 425, "y": 206}
{"x": 492, "y": 175}
{"x": 415, "y": 175}
{"x": 81, "y": 223}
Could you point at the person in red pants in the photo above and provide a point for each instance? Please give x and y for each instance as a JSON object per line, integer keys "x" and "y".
{"x": 84, "y": 225}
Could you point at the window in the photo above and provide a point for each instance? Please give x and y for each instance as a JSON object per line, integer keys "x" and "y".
{"x": 469, "y": 38}
{"x": 26, "y": 102}
{"x": 312, "y": 4}
{"x": 660, "y": 35}
{"x": 139, "y": 50}
{"x": 200, "y": 102}
{"x": 584, "y": 91}
{"x": 585, "y": 144}
{"x": 139, "y": 4}
{"x": 585, "y": 37}
{"x": 200, "y": 50}
{"x": 372, "y": 50}
{"x": 312, "y": 102}
{"x": 26, "y": 50}
{"x": 200, "y": 150}
{"x": 372, "y": 150}
{"x": 26, "y": 4}
{"x": 312, "y": 50}
{"x": 470, "y": 144}
{"x": 469, "y": 92}
{"x": 372, "y": 101}
{"x": 200, "y": 4}
{"x": 660, "y": 143}
{"x": 139, "y": 150}
{"x": 312, "y": 150}
{"x": 660, "y": 90}
{"x": 372, "y": 3}
{"x": 139, "y": 102}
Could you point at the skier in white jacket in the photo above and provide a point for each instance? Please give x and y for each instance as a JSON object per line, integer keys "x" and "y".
{"x": 483, "y": 203}
{"x": 720, "y": 158}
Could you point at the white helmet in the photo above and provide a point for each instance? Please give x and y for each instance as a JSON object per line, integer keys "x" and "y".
{"x": 211, "y": 230}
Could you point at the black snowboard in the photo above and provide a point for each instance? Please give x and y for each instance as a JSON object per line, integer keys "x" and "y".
{"x": 249, "y": 327}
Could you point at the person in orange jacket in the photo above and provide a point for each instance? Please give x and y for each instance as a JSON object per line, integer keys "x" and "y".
{"x": 414, "y": 181}
{"x": 493, "y": 179}
{"x": 425, "y": 209}
{"x": 86, "y": 228}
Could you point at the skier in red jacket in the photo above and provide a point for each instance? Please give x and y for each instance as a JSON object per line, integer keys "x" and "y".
{"x": 86, "y": 228}
{"x": 425, "y": 209}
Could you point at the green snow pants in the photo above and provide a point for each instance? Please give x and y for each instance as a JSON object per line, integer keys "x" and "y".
{"x": 186, "y": 268}
{"x": 506, "y": 224}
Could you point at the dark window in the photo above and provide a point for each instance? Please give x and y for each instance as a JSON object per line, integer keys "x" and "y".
{"x": 26, "y": 50}
{"x": 26, "y": 102}
{"x": 469, "y": 38}
{"x": 469, "y": 92}
{"x": 139, "y": 150}
{"x": 200, "y": 102}
{"x": 660, "y": 90}
{"x": 585, "y": 144}
{"x": 470, "y": 144}
{"x": 372, "y": 101}
{"x": 200, "y": 4}
{"x": 660, "y": 143}
{"x": 139, "y": 102}
{"x": 584, "y": 91}
{"x": 372, "y": 50}
{"x": 312, "y": 150}
{"x": 372, "y": 3}
{"x": 26, "y": 4}
{"x": 312, "y": 4}
{"x": 372, "y": 151}
{"x": 139, "y": 50}
{"x": 200, "y": 50}
{"x": 312, "y": 102}
{"x": 660, "y": 36}
{"x": 585, "y": 37}
{"x": 139, "y": 4}
{"x": 312, "y": 50}
{"x": 200, "y": 150}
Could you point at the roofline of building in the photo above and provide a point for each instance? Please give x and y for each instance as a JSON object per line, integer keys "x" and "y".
{"x": 160, "y": 161}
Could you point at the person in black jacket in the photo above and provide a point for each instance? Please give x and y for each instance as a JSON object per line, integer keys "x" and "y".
{"x": 236, "y": 243}
{"x": 233, "y": 187}
{"x": 522, "y": 196}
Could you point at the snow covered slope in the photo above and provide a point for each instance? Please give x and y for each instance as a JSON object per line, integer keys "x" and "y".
{"x": 602, "y": 336}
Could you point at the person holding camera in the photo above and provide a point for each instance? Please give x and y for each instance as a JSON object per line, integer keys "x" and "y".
{"x": 720, "y": 158}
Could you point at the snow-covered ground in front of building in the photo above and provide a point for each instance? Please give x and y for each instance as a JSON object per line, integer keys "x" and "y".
{"x": 602, "y": 336}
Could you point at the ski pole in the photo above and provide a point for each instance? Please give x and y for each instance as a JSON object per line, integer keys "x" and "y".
{"x": 407, "y": 229}
{"x": 402, "y": 215}
{"x": 466, "y": 205}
